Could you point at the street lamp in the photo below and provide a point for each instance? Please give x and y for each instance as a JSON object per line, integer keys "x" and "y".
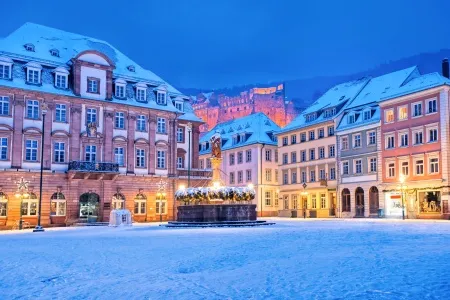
{"x": 44, "y": 109}
{"x": 402, "y": 187}
{"x": 160, "y": 196}
{"x": 189, "y": 130}
{"x": 22, "y": 192}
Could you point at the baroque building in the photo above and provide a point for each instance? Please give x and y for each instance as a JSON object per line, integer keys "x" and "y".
{"x": 113, "y": 133}
{"x": 250, "y": 157}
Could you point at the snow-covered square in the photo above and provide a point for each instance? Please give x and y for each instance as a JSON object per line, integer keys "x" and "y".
{"x": 296, "y": 259}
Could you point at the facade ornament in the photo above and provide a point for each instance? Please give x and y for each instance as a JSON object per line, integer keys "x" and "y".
{"x": 109, "y": 114}
{"x": 74, "y": 110}
{"x": 92, "y": 129}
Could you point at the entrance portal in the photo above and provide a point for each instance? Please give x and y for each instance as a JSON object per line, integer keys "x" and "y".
{"x": 374, "y": 201}
{"x": 89, "y": 205}
{"x": 359, "y": 197}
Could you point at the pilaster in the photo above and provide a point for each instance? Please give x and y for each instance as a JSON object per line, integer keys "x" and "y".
{"x": 130, "y": 143}
{"x": 17, "y": 141}
{"x": 75, "y": 130}
{"x": 152, "y": 146}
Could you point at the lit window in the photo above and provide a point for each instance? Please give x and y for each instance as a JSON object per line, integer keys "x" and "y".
{"x": 323, "y": 202}
{"x": 389, "y": 116}
{"x": 268, "y": 198}
{"x": 161, "y": 207}
{"x": 58, "y": 205}
{"x": 59, "y": 152}
{"x": 140, "y": 204}
{"x": 403, "y": 113}
{"x": 30, "y": 206}
{"x": 313, "y": 201}
{"x": 4, "y": 106}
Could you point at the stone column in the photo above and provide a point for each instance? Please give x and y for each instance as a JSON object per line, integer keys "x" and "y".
{"x": 17, "y": 141}
{"x": 75, "y": 130}
{"x": 108, "y": 130}
{"x": 172, "y": 151}
{"x": 48, "y": 137}
{"x": 130, "y": 143}
{"x": 152, "y": 146}
{"x": 195, "y": 139}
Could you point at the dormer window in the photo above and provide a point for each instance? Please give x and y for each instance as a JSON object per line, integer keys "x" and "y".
{"x": 92, "y": 85}
{"x": 131, "y": 68}
{"x": 367, "y": 114}
{"x": 120, "y": 88}
{"x": 310, "y": 117}
{"x": 29, "y": 47}
{"x": 5, "y": 68}
{"x": 141, "y": 94}
{"x": 179, "y": 105}
{"x": 61, "y": 78}
{"x": 33, "y": 73}
{"x": 54, "y": 52}
{"x": 161, "y": 98}
{"x": 351, "y": 118}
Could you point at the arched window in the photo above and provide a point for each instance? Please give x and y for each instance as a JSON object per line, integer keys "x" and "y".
{"x": 140, "y": 204}
{"x": 3, "y": 204}
{"x": 346, "y": 200}
{"x": 58, "y": 204}
{"x": 30, "y": 205}
{"x": 118, "y": 201}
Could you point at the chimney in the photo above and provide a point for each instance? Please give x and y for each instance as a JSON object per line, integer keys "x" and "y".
{"x": 445, "y": 68}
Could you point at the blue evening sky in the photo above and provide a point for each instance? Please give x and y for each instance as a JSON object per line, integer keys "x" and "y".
{"x": 220, "y": 43}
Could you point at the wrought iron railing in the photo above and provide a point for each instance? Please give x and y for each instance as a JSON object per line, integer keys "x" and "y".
{"x": 88, "y": 166}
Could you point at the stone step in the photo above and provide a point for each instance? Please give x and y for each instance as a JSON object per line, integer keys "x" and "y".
{"x": 91, "y": 224}
{"x": 216, "y": 224}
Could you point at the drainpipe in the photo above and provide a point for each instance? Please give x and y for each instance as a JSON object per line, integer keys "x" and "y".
{"x": 260, "y": 178}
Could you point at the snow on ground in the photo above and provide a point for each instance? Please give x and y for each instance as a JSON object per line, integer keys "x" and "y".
{"x": 293, "y": 259}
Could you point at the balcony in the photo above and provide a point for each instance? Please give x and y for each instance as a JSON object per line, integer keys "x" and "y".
{"x": 93, "y": 170}
{"x": 195, "y": 173}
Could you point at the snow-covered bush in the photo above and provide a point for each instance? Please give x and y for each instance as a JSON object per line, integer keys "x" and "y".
{"x": 206, "y": 194}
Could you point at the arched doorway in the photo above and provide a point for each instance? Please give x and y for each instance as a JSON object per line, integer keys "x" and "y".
{"x": 374, "y": 202}
{"x": 89, "y": 205}
{"x": 118, "y": 201}
{"x": 346, "y": 200}
{"x": 359, "y": 202}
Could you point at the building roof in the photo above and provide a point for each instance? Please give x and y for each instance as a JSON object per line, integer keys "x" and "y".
{"x": 258, "y": 129}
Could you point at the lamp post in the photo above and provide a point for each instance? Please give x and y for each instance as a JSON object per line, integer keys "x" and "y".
{"x": 160, "y": 196}
{"x": 22, "y": 192}
{"x": 38, "y": 227}
{"x": 189, "y": 130}
{"x": 402, "y": 187}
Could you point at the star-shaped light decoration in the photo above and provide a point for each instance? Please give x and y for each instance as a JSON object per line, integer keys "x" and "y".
{"x": 22, "y": 184}
{"x": 161, "y": 185}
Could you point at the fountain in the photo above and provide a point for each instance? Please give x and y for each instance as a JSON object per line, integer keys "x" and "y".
{"x": 216, "y": 205}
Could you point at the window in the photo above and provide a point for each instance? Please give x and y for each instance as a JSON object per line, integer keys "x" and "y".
{"x": 161, "y": 207}
{"x": 231, "y": 177}
{"x": 285, "y": 141}
{"x": 248, "y": 156}
{"x": 179, "y": 105}
{"x": 358, "y": 166}
{"x": 372, "y": 164}
{"x": 321, "y": 152}
{"x": 390, "y": 142}
{"x": 91, "y": 115}
{"x": 391, "y": 170}
{"x": 61, "y": 81}
{"x": 367, "y": 114}
{"x": 311, "y": 117}
{"x": 321, "y": 133}
{"x": 140, "y": 158}
{"x": 231, "y": 159}
{"x": 322, "y": 174}
{"x": 32, "y": 109}
{"x": 141, "y": 94}
{"x": 332, "y": 173}
{"x": 161, "y": 159}
{"x": 331, "y": 151}
{"x": 161, "y": 125}
{"x": 59, "y": 148}
{"x": 5, "y": 71}
{"x": 240, "y": 176}
{"x": 30, "y": 206}
{"x": 294, "y": 201}
{"x": 33, "y": 75}
{"x": 432, "y": 135}
{"x": 293, "y": 177}
{"x": 303, "y": 155}
{"x": 118, "y": 201}
{"x": 431, "y": 106}
{"x": 3, "y": 205}
{"x": 180, "y": 162}
{"x": 403, "y": 140}
{"x": 323, "y": 202}
{"x": 58, "y": 205}
{"x": 331, "y": 131}
{"x": 417, "y": 109}
{"x": 312, "y": 154}
{"x": 120, "y": 120}
{"x": 345, "y": 170}
{"x": 180, "y": 135}
{"x": 303, "y": 177}
{"x": 312, "y": 176}
{"x": 388, "y": 116}
{"x": 161, "y": 98}
{"x": 275, "y": 199}
{"x": 140, "y": 204}
{"x": 4, "y": 106}
{"x": 302, "y": 137}
{"x": 285, "y": 159}
{"x": 344, "y": 143}
{"x": 286, "y": 202}
{"x": 268, "y": 198}
{"x": 402, "y": 113}
{"x": 405, "y": 168}
{"x": 357, "y": 141}
{"x": 31, "y": 149}
{"x": 240, "y": 157}
{"x": 249, "y": 175}
{"x": 119, "y": 156}
{"x": 91, "y": 153}
{"x": 201, "y": 162}
{"x": 311, "y": 135}
{"x": 434, "y": 165}
{"x": 419, "y": 167}
{"x": 313, "y": 201}
{"x": 92, "y": 85}
{"x": 294, "y": 139}
{"x": 268, "y": 155}
{"x": 351, "y": 118}
{"x": 3, "y": 148}
{"x": 140, "y": 123}
{"x": 371, "y": 138}
{"x": 60, "y": 113}
{"x": 418, "y": 138}
{"x": 293, "y": 157}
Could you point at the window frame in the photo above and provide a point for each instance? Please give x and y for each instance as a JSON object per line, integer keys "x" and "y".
{"x": 4, "y": 65}
{"x": 386, "y": 111}
{"x": 89, "y": 87}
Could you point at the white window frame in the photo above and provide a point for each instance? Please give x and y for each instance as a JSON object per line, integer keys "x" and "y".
{"x": 161, "y": 125}
{"x": 59, "y": 202}
{"x": 369, "y": 138}
{"x": 140, "y": 158}
{"x": 120, "y": 90}
{"x": 179, "y": 105}
{"x": 3, "y": 148}
{"x": 351, "y": 118}
{"x": 119, "y": 120}
{"x": 91, "y": 115}
{"x": 428, "y": 101}
{"x": 331, "y": 151}
{"x": 59, "y": 152}
{"x": 372, "y": 164}
{"x": 402, "y": 139}
{"x": 404, "y": 168}
{"x": 119, "y": 156}
{"x": 365, "y": 112}
{"x": 139, "y": 203}
{"x": 91, "y": 151}
{"x": 344, "y": 143}
{"x": 429, "y": 129}
{"x": 268, "y": 198}
{"x": 31, "y": 70}
{"x": 180, "y": 135}
{"x": 158, "y": 206}
{"x": 312, "y": 135}
{"x": 359, "y": 140}
{"x": 355, "y": 165}
{"x": 141, "y": 94}
{"x": 430, "y": 165}
{"x": 399, "y": 118}
{"x": 5, "y": 106}
{"x": 386, "y": 111}
{"x": 161, "y": 159}
{"x": 415, "y": 132}
{"x": 388, "y": 169}
{"x": 416, "y": 165}
{"x": 93, "y": 86}
{"x": 58, "y": 80}
{"x": 35, "y": 109}
{"x": 61, "y": 113}
{"x": 345, "y": 165}
{"x": 268, "y": 175}
{"x": 32, "y": 149}
{"x": 413, "y": 109}
{"x": 387, "y": 137}
{"x": 141, "y": 123}
{"x": 28, "y": 202}
{"x": 3, "y": 66}
{"x": 161, "y": 98}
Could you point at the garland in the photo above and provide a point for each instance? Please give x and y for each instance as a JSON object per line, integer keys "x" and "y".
{"x": 419, "y": 189}
{"x": 206, "y": 194}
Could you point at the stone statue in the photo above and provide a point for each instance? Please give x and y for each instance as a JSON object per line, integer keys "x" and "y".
{"x": 216, "y": 144}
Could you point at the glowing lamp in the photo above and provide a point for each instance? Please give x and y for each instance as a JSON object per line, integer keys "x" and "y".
{"x": 216, "y": 184}
{"x": 182, "y": 187}
{"x": 251, "y": 186}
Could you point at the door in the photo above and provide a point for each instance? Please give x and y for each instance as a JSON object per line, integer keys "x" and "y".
{"x": 359, "y": 202}
{"x": 374, "y": 201}
{"x": 89, "y": 205}
{"x": 333, "y": 204}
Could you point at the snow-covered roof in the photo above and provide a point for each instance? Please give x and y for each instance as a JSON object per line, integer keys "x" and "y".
{"x": 360, "y": 118}
{"x": 258, "y": 129}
